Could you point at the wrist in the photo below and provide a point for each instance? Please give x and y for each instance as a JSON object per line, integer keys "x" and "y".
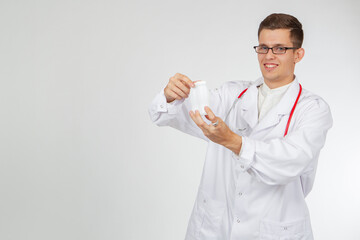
{"x": 234, "y": 143}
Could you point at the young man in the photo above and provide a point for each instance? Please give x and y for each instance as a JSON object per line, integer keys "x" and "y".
{"x": 264, "y": 140}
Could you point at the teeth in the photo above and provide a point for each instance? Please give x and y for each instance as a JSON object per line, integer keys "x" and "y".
{"x": 270, "y": 65}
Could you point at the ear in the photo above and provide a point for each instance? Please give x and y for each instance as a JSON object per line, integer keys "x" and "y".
{"x": 299, "y": 54}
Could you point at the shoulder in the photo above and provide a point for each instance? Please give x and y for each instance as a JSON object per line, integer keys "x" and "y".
{"x": 311, "y": 99}
{"x": 313, "y": 108}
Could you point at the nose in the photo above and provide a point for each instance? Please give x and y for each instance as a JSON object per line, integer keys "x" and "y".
{"x": 270, "y": 55}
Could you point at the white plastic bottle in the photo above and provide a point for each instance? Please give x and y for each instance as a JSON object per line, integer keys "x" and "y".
{"x": 199, "y": 97}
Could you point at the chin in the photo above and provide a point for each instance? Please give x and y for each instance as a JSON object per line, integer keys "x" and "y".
{"x": 270, "y": 77}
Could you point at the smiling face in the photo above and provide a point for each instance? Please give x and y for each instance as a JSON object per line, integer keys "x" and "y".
{"x": 278, "y": 69}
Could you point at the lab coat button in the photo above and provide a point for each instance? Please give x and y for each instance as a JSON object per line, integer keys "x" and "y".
{"x": 238, "y": 220}
{"x": 242, "y": 166}
{"x": 204, "y": 201}
{"x": 285, "y": 228}
{"x": 161, "y": 106}
{"x": 240, "y": 194}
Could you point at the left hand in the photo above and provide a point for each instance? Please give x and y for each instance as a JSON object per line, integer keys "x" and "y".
{"x": 220, "y": 133}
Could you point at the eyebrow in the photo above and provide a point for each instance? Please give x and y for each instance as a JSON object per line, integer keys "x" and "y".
{"x": 276, "y": 45}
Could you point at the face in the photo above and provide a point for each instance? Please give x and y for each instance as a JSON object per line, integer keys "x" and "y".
{"x": 278, "y": 69}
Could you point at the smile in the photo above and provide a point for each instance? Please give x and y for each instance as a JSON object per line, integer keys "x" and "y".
{"x": 270, "y": 66}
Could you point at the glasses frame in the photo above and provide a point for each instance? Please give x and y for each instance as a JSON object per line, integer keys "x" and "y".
{"x": 272, "y": 49}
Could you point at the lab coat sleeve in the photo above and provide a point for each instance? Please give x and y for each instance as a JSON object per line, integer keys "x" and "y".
{"x": 281, "y": 160}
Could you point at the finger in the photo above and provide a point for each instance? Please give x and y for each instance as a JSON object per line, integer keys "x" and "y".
{"x": 201, "y": 123}
{"x": 179, "y": 92}
{"x": 174, "y": 94}
{"x": 185, "y": 79}
{"x": 183, "y": 87}
{"x": 210, "y": 115}
{"x": 192, "y": 115}
{"x": 172, "y": 87}
{"x": 195, "y": 119}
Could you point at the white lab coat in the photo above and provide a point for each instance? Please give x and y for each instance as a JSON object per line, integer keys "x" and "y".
{"x": 261, "y": 193}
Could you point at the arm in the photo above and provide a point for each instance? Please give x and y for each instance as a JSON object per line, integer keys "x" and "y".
{"x": 281, "y": 160}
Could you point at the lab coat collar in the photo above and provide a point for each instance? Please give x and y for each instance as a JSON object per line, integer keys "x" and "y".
{"x": 289, "y": 98}
{"x": 249, "y": 105}
{"x": 283, "y": 108}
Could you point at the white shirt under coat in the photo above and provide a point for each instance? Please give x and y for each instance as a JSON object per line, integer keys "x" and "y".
{"x": 261, "y": 193}
{"x": 268, "y": 98}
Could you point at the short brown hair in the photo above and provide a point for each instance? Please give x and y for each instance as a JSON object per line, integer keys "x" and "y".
{"x": 284, "y": 21}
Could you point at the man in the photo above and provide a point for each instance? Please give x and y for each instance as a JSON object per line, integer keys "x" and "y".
{"x": 263, "y": 146}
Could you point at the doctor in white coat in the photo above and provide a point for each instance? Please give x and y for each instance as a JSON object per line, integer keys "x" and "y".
{"x": 264, "y": 140}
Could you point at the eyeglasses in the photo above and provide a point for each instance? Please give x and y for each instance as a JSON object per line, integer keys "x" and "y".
{"x": 275, "y": 50}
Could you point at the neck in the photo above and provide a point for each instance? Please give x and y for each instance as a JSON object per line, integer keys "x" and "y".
{"x": 277, "y": 84}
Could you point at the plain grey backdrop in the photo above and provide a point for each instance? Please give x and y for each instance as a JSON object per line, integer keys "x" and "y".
{"x": 79, "y": 156}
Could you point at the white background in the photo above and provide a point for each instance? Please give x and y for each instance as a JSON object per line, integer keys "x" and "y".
{"x": 79, "y": 156}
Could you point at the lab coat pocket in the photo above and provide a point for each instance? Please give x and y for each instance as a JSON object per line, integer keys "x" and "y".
{"x": 208, "y": 217}
{"x": 296, "y": 230}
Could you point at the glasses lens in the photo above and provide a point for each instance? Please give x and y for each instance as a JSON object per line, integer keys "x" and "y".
{"x": 279, "y": 50}
{"x": 262, "y": 49}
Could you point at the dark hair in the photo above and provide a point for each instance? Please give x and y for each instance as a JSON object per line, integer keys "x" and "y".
{"x": 284, "y": 21}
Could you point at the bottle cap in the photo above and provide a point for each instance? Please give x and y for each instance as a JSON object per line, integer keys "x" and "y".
{"x": 199, "y": 83}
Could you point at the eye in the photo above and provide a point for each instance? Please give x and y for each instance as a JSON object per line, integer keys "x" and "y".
{"x": 279, "y": 49}
{"x": 265, "y": 48}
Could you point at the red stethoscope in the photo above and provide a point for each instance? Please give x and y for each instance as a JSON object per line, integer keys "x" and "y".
{"x": 291, "y": 113}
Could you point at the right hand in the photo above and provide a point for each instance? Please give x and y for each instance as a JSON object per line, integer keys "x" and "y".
{"x": 178, "y": 87}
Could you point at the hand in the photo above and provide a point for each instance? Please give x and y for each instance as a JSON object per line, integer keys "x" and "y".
{"x": 220, "y": 133}
{"x": 178, "y": 87}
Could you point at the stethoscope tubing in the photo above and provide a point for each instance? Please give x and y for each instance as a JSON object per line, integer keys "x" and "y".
{"x": 291, "y": 113}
